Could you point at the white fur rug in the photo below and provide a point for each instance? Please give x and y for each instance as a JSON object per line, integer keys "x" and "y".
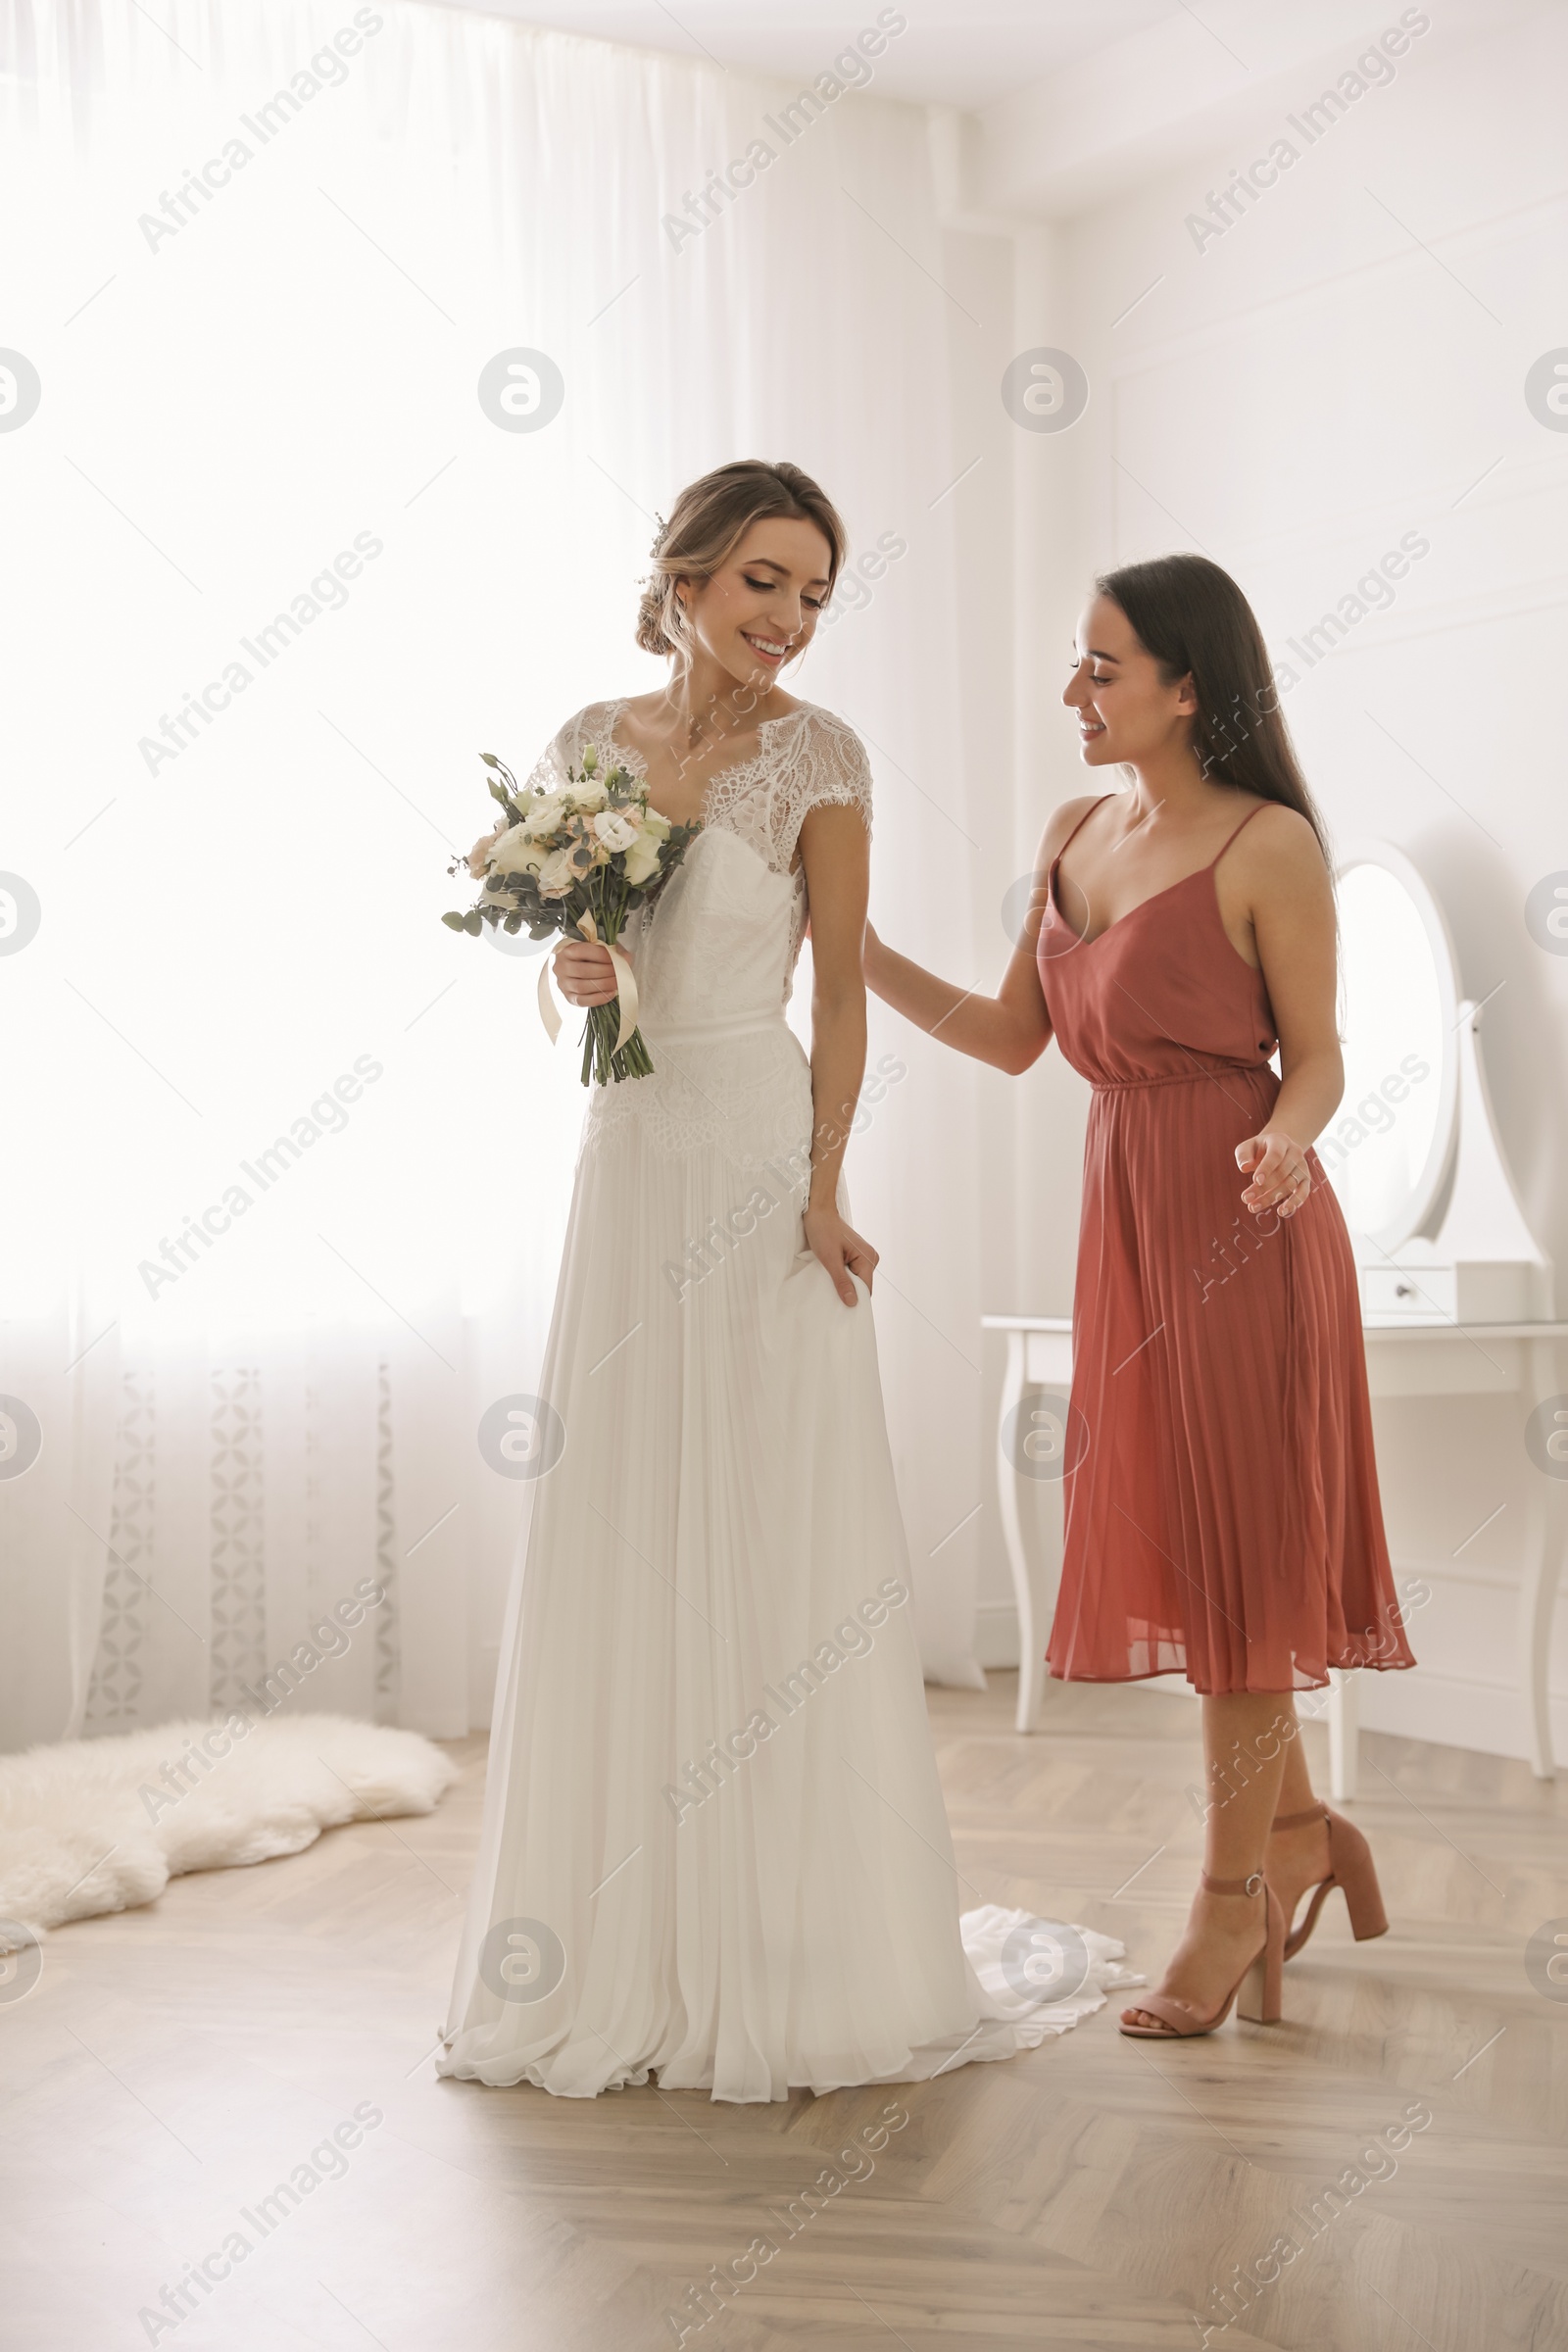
{"x": 103, "y": 1825}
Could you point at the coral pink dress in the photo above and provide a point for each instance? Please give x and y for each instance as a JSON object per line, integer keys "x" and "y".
{"x": 1222, "y": 1513}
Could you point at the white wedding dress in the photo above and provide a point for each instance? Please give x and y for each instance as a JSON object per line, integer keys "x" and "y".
{"x": 714, "y": 1846}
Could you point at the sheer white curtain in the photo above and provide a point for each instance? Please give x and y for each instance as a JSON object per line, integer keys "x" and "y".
{"x": 290, "y": 1162}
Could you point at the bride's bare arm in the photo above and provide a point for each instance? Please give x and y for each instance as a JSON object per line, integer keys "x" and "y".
{"x": 1010, "y": 1030}
{"x": 836, "y": 853}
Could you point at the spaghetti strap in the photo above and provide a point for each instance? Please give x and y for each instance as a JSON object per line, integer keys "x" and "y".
{"x": 1241, "y": 828}
{"x": 1083, "y": 821}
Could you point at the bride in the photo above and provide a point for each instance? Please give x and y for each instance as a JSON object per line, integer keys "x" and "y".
{"x": 715, "y": 1848}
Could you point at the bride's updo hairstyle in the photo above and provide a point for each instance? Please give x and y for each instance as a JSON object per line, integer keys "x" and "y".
{"x": 710, "y": 519}
{"x": 1196, "y": 622}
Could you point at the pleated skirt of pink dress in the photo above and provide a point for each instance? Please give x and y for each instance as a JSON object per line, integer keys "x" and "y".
{"x": 1222, "y": 1509}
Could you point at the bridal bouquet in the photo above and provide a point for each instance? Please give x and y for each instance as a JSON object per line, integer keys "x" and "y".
{"x": 577, "y": 858}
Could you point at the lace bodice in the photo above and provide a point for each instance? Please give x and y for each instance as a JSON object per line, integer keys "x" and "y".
{"x": 807, "y": 759}
{"x": 716, "y": 956}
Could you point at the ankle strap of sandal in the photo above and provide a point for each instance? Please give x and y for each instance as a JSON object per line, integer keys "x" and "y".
{"x": 1298, "y": 1821}
{"x": 1252, "y": 1886}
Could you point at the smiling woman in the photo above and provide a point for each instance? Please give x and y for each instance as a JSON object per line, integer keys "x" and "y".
{"x": 741, "y": 570}
{"x": 1222, "y": 1518}
{"x": 677, "y": 1579}
{"x": 704, "y": 538}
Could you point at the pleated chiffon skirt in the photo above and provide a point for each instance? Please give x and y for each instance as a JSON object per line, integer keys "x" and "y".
{"x": 1223, "y": 1521}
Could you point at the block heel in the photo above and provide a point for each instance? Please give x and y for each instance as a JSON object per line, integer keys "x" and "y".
{"x": 1260, "y": 1999}
{"x": 1351, "y": 1869}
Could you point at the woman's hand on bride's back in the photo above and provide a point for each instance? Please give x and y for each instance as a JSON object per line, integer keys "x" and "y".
{"x": 838, "y": 1246}
{"x": 585, "y": 973}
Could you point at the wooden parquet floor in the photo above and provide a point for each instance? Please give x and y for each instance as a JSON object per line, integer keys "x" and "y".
{"x": 172, "y": 2065}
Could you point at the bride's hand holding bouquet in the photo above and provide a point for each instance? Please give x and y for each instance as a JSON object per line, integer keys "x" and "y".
{"x": 585, "y": 972}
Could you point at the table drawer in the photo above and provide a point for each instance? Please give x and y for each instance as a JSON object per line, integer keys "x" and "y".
{"x": 1429, "y": 1295}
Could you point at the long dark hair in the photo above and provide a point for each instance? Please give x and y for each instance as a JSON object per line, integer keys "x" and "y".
{"x": 1196, "y": 622}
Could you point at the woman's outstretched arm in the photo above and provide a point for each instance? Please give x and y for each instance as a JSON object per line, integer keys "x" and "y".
{"x": 1010, "y": 1030}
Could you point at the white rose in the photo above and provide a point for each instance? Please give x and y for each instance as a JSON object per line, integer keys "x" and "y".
{"x": 544, "y": 815}
{"x": 589, "y": 796}
{"x": 516, "y": 853}
{"x": 656, "y": 824}
{"x": 642, "y": 860}
{"x": 614, "y": 830}
{"x": 558, "y": 874}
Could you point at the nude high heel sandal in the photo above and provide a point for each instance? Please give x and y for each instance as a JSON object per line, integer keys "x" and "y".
{"x": 1256, "y": 1992}
{"x": 1351, "y": 1869}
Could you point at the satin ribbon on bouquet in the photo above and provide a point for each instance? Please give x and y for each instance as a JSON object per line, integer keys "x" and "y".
{"x": 625, "y": 990}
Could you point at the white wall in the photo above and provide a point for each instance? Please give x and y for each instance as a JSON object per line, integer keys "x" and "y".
{"x": 1343, "y": 366}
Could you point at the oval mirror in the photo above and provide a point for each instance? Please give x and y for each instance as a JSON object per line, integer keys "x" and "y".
{"x": 1388, "y": 1147}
